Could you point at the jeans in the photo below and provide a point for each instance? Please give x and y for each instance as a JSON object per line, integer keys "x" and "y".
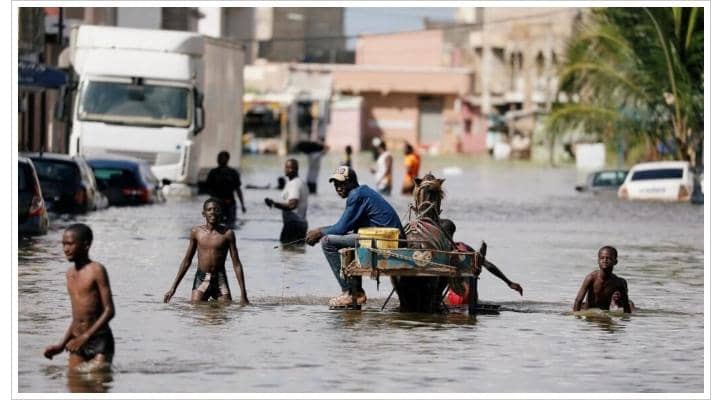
{"x": 331, "y": 244}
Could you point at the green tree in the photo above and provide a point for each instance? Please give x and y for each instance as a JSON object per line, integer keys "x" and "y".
{"x": 637, "y": 73}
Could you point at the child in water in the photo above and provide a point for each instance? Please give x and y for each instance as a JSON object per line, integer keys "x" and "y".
{"x": 212, "y": 241}
{"x": 601, "y": 285}
{"x": 88, "y": 339}
{"x": 461, "y": 295}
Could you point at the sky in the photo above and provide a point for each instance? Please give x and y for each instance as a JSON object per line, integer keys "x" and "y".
{"x": 359, "y": 20}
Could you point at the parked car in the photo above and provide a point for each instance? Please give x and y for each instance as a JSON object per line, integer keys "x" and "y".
{"x": 603, "y": 181}
{"x": 32, "y": 215}
{"x": 68, "y": 184}
{"x": 126, "y": 180}
{"x": 662, "y": 180}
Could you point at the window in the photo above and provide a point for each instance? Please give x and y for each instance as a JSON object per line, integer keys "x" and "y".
{"x": 58, "y": 171}
{"x": 24, "y": 178}
{"x": 661, "y": 173}
{"x": 133, "y": 104}
{"x": 607, "y": 178}
{"x": 115, "y": 177}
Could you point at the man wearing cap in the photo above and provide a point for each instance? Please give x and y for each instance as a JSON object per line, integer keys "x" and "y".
{"x": 364, "y": 207}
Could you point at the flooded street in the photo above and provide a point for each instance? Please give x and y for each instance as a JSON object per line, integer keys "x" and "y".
{"x": 539, "y": 231}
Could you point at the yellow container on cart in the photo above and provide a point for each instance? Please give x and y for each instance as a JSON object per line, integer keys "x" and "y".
{"x": 387, "y": 238}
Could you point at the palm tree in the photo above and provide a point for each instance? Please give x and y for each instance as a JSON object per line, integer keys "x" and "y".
{"x": 637, "y": 73}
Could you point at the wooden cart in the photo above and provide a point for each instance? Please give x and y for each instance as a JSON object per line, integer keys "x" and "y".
{"x": 374, "y": 262}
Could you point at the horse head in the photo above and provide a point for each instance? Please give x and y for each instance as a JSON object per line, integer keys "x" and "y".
{"x": 428, "y": 195}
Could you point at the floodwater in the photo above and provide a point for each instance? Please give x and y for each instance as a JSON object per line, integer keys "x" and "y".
{"x": 540, "y": 232}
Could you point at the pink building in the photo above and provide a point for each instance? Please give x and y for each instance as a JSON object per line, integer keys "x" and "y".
{"x": 408, "y": 92}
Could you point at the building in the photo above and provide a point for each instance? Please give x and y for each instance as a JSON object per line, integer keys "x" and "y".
{"x": 408, "y": 93}
{"x": 515, "y": 53}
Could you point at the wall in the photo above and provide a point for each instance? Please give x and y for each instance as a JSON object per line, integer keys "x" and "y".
{"x": 345, "y": 125}
{"x": 139, "y": 17}
{"x": 392, "y": 117}
{"x": 402, "y": 80}
{"x": 423, "y": 48}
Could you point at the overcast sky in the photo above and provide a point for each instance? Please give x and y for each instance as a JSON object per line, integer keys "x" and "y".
{"x": 390, "y": 19}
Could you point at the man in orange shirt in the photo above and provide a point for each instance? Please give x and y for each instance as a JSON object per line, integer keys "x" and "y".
{"x": 412, "y": 165}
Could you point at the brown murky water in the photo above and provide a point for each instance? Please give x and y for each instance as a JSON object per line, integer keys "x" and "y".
{"x": 539, "y": 231}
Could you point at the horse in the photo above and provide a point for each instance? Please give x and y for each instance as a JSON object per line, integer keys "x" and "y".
{"x": 424, "y": 294}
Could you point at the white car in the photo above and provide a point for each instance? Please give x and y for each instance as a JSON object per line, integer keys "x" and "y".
{"x": 661, "y": 180}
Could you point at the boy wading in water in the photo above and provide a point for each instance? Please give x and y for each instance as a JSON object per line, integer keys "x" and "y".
{"x": 89, "y": 338}
{"x": 212, "y": 242}
{"x": 600, "y": 286}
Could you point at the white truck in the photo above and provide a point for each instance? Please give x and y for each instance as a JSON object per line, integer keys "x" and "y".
{"x": 172, "y": 98}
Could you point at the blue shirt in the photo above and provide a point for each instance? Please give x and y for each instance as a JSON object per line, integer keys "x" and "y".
{"x": 365, "y": 207}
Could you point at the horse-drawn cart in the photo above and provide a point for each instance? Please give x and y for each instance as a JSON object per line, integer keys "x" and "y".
{"x": 435, "y": 267}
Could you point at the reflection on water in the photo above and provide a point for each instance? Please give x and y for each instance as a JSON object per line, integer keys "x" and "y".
{"x": 540, "y": 232}
{"x": 78, "y": 382}
{"x": 95, "y": 382}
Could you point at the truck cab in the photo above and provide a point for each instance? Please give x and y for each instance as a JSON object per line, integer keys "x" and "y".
{"x": 138, "y": 95}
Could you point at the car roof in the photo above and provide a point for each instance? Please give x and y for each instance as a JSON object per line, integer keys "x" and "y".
{"x": 660, "y": 164}
{"x": 608, "y": 170}
{"x": 110, "y": 156}
{"x": 50, "y": 156}
{"x": 24, "y": 160}
{"x": 102, "y": 162}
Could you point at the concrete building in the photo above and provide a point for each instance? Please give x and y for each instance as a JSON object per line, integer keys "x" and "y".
{"x": 409, "y": 94}
{"x": 515, "y": 53}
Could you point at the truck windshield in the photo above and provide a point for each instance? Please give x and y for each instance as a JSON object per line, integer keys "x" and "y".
{"x": 136, "y": 104}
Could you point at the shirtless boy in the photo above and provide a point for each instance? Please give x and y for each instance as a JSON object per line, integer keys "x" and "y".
{"x": 89, "y": 338}
{"x": 600, "y": 285}
{"x": 212, "y": 242}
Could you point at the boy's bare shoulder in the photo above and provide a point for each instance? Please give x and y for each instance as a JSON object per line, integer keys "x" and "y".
{"x": 96, "y": 267}
{"x": 197, "y": 229}
{"x": 592, "y": 275}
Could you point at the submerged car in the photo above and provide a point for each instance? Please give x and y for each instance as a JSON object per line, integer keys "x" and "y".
{"x": 603, "y": 181}
{"x": 68, "y": 184}
{"x": 32, "y": 215}
{"x": 661, "y": 180}
{"x": 126, "y": 180}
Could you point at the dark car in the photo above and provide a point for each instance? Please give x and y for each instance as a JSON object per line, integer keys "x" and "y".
{"x": 126, "y": 180}
{"x": 32, "y": 215}
{"x": 604, "y": 181}
{"x": 68, "y": 184}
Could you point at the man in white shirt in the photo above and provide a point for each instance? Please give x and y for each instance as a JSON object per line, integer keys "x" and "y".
{"x": 383, "y": 170}
{"x": 293, "y": 206}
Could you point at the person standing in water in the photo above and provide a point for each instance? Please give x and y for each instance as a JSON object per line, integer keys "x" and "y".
{"x": 600, "y": 285}
{"x": 223, "y": 183}
{"x": 383, "y": 170}
{"x": 293, "y": 206}
{"x": 88, "y": 338}
{"x": 212, "y": 242}
{"x": 412, "y": 169}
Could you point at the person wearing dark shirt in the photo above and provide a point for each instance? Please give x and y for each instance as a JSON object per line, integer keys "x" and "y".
{"x": 348, "y": 157}
{"x": 222, "y": 183}
{"x": 364, "y": 207}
